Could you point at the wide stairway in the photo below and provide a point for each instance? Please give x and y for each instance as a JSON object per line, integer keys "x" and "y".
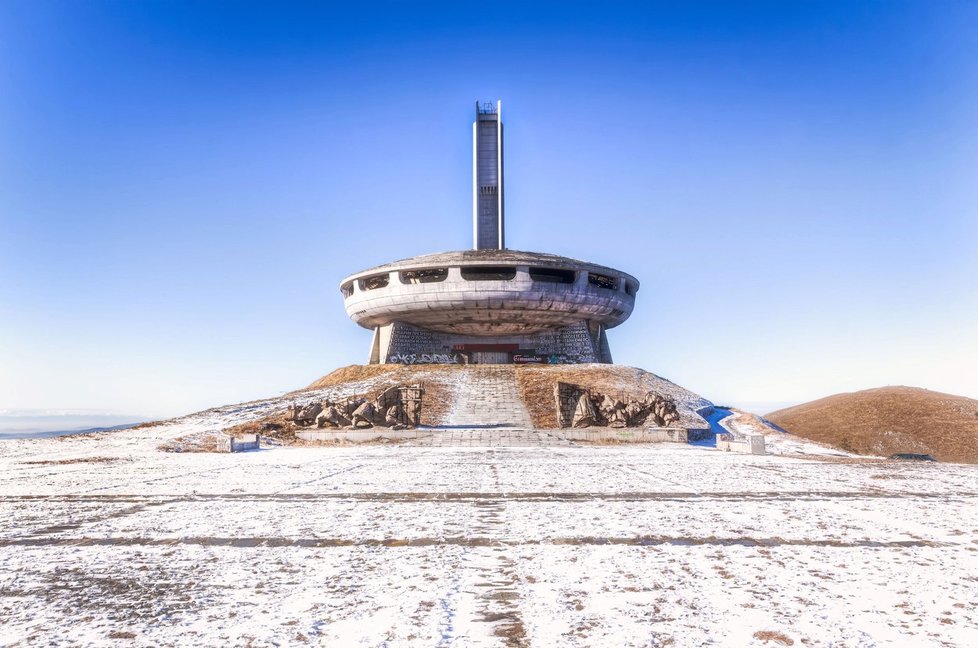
{"x": 488, "y": 411}
{"x": 488, "y": 396}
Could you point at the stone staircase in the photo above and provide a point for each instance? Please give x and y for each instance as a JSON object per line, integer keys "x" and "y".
{"x": 488, "y": 438}
{"x": 488, "y": 412}
{"x": 488, "y": 397}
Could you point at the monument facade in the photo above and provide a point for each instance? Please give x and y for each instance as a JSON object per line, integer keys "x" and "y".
{"x": 489, "y": 305}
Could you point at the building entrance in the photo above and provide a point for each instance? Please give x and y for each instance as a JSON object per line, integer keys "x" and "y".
{"x": 487, "y": 353}
{"x": 491, "y": 357}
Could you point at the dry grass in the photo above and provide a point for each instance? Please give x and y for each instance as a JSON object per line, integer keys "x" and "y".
{"x": 777, "y": 637}
{"x": 436, "y": 403}
{"x": 147, "y": 424}
{"x": 77, "y": 460}
{"x": 193, "y": 443}
{"x": 604, "y": 442}
{"x": 889, "y": 420}
{"x": 537, "y": 386}
{"x": 356, "y": 373}
{"x": 284, "y": 430}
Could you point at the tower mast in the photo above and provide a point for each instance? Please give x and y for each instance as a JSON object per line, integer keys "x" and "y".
{"x": 487, "y": 178}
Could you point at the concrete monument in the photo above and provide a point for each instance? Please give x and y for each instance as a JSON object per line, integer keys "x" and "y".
{"x": 489, "y": 305}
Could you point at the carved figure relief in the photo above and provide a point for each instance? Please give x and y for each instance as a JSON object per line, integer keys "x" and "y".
{"x": 580, "y": 407}
{"x": 397, "y": 407}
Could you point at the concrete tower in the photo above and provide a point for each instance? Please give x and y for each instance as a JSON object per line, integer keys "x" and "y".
{"x": 487, "y": 177}
{"x": 489, "y": 305}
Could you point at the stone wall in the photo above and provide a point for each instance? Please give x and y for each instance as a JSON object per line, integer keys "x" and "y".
{"x": 631, "y": 435}
{"x": 749, "y": 444}
{"x": 401, "y": 343}
{"x": 566, "y": 396}
{"x": 231, "y": 444}
{"x": 358, "y": 436}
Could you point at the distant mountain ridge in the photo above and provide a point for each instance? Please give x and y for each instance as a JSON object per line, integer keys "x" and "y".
{"x": 22, "y": 423}
{"x": 889, "y": 420}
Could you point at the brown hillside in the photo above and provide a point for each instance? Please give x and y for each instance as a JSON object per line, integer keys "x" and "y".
{"x": 889, "y": 420}
{"x": 354, "y": 373}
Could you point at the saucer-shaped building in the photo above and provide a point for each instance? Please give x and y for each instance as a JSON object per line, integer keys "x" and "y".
{"x": 489, "y": 305}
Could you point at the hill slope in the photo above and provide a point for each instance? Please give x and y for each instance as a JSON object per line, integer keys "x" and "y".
{"x": 888, "y": 420}
{"x": 536, "y": 383}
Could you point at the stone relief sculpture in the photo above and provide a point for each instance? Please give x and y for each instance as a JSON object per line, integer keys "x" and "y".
{"x": 363, "y": 416}
{"x": 580, "y": 407}
{"x": 397, "y": 408}
{"x": 305, "y": 414}
{"x": 332, "y": 417}
{"x": 584, "y": 413}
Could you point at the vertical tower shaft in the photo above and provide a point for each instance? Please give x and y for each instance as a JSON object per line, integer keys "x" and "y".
{"x": 487, "y": 178}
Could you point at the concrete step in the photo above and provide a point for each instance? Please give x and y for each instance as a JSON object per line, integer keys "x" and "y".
{"x": 486, "y": 437}
{"x": 488, "y": 395}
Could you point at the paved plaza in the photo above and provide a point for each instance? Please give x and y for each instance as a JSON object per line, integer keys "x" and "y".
{"x": 488, "y": 437}
{"x": 106, "y": 539}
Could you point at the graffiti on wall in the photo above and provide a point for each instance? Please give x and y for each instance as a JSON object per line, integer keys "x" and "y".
{"x": 458, "y": 358}
{"x": 573, "y": 358}
{"x": 425, "y": 358}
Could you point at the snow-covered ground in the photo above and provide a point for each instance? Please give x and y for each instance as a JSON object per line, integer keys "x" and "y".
{"x": 104, "y": 538}
{"x": 776, "y": 441}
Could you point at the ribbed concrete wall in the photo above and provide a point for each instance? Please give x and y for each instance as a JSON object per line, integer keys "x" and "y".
{"x": 407, "y": 344}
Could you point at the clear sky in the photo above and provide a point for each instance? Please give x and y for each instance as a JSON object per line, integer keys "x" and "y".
{"x": 183, "y": 185}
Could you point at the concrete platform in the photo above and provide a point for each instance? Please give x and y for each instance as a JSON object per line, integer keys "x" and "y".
{"x": 105, "y": 539}
{"x": 359, "y": 436}
{"x": 496, "y": 437}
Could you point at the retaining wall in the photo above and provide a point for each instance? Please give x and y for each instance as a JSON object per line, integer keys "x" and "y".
{"x": 750, "y": 444}
{"x": 230, "y": 444}
{"x": 369, "y": 434}
{"x": 628, "y": 435}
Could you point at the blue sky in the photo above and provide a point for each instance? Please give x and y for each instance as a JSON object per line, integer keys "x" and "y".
{"x": 183, "y": 185}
